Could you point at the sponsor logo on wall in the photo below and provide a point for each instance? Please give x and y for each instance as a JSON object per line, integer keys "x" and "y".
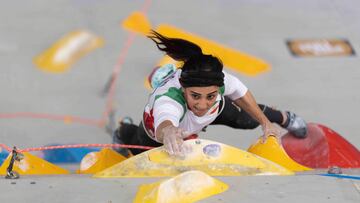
{"x": 320, "y": 47}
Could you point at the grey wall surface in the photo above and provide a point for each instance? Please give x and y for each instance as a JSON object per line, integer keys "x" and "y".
{"x": 322, "y": 90}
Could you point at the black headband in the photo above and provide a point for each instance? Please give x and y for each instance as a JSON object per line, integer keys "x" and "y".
{"x": 201, "y": 79}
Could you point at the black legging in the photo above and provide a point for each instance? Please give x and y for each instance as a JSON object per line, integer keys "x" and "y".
{"x": 135, "y": 135}
{"x": 234, "y": 117}
{"x": 231, "y": 116}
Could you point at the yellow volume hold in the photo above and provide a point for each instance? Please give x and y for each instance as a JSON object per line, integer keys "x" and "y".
{"x": 94, "y": 162}
{"x": 66, "y": 51}
{"x": 190, "y": 186}
{"x": 213, "y": 158}
{"x": 273, "y": 151}
{"x": 32, "y": 165}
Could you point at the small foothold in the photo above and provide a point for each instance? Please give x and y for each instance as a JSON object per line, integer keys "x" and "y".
{"x": 334, "y": 170}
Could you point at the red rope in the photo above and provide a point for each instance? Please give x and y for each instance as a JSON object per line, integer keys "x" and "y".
{"x": 5, "y": 147}
{"x": 145, "y": 6}
{"x": 82, "y": 146}
{"x": 121, "y": 59}
{"x": 110, "y": 98}
{"x": 64, "y": 118}
{"x": 69, "y": 118}
{"x": 115, "y": 75}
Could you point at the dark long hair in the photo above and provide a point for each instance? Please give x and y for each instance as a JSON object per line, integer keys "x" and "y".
{"x": 199, "y": 69}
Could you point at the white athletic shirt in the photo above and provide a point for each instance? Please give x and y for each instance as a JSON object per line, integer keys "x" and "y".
{"x": 168, "y": 103}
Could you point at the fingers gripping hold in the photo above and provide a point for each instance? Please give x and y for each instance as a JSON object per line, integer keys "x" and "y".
{"x": 173, "y": 140}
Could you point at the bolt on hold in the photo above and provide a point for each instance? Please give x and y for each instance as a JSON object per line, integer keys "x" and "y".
{"x": 15, "y": 156}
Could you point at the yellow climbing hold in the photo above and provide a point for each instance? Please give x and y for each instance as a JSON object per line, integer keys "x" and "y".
{"x": 137, "y": 22}
{"x": 94, "y": 162}
{"x": 187, "y": 187}
{"x": 233, "y": 59}
{"x": 213, "y": 158}
{"x": 66, "y": 51}
{"x": 32, "y": 165}
{"x": 273, "y": 151}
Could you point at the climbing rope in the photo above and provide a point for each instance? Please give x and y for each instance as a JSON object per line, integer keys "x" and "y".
{"x": 76, "y": 146}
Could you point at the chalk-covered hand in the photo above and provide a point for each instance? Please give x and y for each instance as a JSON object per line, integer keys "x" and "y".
{"x": 173, "y": 140}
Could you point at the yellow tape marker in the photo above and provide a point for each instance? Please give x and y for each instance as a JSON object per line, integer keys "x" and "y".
{"x": 66, "y": 51}
{"x": 68, "y": 119}
{"x": 233, "y": 59}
